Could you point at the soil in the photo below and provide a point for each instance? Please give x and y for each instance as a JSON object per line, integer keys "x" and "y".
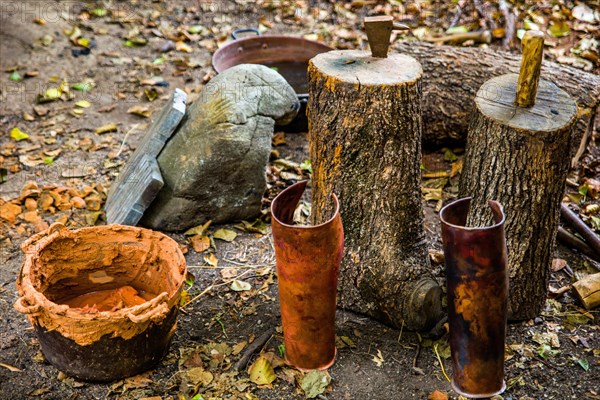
{"x": 554, "y": 356}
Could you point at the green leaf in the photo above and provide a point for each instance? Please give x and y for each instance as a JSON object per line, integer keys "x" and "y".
{"x": 349, "y": 342}
{"x": 584, "y": 363}
{"x": 83, "y": 86}
{"x": 449, "y": 155}
{"x": 18, "y": 134}
{"x": 15, "y": 76}
{"x": 306, "y": 166}
{"x": 314, "y": 383}
{"x": 48, "y": 160}
{"x": 546, "y": 351}
{"x": 457, "y": 29}
{"x": 262, "y": 372}
{"x": 99, "y": 12}
{"x": 190, "y": 279}
{"x": 281, "y": 349}
{"x": 3, "y": 175}
{"x": 195, "y": 29}
{"x": 576, "y": 318}
{"x": 225, "y": 234}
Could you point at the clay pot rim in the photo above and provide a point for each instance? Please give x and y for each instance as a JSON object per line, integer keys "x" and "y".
{"x": 497, "y": 210}
{"x": 35, "y": 298}
{"x": 302, "y": 184}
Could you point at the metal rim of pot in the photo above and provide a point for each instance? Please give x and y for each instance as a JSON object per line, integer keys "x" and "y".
{"x": 251, "y": 50}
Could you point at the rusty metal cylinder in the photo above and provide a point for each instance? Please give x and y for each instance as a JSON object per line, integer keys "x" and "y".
{"x": 308, "y": 259}
{"x": 477, "y": 279}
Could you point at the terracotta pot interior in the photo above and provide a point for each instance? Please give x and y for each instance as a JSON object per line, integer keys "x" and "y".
{"x": 93, "y": 262}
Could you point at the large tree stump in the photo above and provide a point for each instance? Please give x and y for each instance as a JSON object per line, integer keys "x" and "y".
{"x": 519, "y": 157}
{"x": 455, "y": 74}
{"x": 365, "y": 146}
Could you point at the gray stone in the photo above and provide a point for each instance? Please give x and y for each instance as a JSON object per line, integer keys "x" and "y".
{"x": 140, "y": 181}
{"x": 214, "y": 166}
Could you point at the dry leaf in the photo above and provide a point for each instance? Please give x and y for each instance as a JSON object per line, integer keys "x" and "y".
{"x": 200, "y": 243}
{"x": 112, "y": 127}
{"x": 378, "y": 359}
{"x": 437, "y": 395}
{"x": 262, "y": 372}
{"x": 198, "y": 230}
{"x": 10, "y": 367}
{"x": 240, "y": 286}
{"x": 225, "y": 234}
{"x": 211, "y": 259}
{"x": 141, "y": 111}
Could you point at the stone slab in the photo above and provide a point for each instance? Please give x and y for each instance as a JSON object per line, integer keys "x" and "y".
{"x": 140, "y": 180}
{"x": 127, "y": 206}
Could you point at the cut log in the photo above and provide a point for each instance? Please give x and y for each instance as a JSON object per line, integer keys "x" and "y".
{"x": 588, "y": 291}
{"x": 365, "y": 146}
{"x": 455, "y": 74}
{"x": 516, "y": 155}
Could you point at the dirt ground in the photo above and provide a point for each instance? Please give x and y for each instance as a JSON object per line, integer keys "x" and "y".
{"x": 554, "y": 356}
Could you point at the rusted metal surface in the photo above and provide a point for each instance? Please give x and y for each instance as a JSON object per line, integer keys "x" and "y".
{"x": 308, "y": 259}
{"x": 477, "y": 279}
{"x": 379, "y": 30}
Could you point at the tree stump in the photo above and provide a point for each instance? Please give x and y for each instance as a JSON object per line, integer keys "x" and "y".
{"x": 365, "y": 146}
{"x": 519, "y": 156}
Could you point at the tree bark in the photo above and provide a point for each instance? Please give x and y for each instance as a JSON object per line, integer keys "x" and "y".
{"x": 365, "y": 146}
{"x": 517, "y": 156}
{"x": 455, "y": 74}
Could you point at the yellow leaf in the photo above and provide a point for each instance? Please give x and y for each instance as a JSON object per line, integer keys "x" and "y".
{"x": 211, "y": 259}
{"x": 112, "y": 127}
{"x": 18, "y": 134}
{"x": 83, "y": 104}
{"x": 198, "y": 230}
{"x": 262, "y": 372}
{"x": 182, "y": 46}
{"x": 141, "y": 111}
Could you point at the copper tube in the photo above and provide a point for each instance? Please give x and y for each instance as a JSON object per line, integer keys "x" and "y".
{"x": 477, "y": 279}
{"x": 308, "y": 259}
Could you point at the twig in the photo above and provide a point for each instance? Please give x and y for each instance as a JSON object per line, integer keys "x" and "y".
{"x": 457, "y": 13}
{"x": 252, "y": 348}
{"x": 509, "y": 24}
{"x": 576, "y": 223}
{"x": 211, "y": 287}
{"x": 440, "y": 361}
{"x": 574, "y": 242}
{"x": 125, "y": 138}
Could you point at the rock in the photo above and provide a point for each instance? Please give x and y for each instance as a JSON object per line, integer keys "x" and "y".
{"x": 9, "y": 212}
{"x": 214, "y": 165}
{"x": 139, "y": 181}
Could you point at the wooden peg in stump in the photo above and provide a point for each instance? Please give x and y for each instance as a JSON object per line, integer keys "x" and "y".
{"x": 365, "y": 146}
{"x": 518, "y": 154}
